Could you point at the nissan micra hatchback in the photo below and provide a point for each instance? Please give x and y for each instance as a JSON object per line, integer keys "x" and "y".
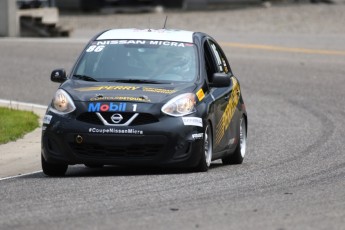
{"x": 145, "y": 97}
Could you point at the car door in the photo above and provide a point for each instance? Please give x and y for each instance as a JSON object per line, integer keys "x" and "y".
{"x": 216, "y": 62}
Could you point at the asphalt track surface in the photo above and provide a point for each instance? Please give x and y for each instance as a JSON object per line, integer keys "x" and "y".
{"x": 292, "y": 177}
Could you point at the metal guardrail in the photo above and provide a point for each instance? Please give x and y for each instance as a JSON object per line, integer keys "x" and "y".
{"x": 95, "y": 5}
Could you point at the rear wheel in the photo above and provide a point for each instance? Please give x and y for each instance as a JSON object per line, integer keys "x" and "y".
{"x": 238, "y": 156}
{"x": 53, "y": 169}
{"x": 206, "y": 157}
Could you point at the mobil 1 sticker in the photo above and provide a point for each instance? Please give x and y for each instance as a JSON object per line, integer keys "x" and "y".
{"x": 112, "y": 107}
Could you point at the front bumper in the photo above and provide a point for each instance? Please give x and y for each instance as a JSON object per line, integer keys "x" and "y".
{"x": 166, "y": 142}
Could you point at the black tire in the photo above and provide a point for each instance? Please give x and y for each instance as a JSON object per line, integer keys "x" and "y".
{"x": 54, "y": 170}
{"x": 238, "y": 156}
{"x": 206, "y": 155}
{"x": 94, "y": 166}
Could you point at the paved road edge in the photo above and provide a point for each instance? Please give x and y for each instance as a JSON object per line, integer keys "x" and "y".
{"x": 22, "y": 156}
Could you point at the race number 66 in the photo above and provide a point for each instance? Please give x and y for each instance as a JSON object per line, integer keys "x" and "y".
{"x": 94, "y": 48}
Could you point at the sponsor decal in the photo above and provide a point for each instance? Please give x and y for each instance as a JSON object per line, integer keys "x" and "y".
{"x": 229, "y": 112}
{"x": 200, "y": 94}
{"x": 145, "y": 89}
{"x": 121, "y": 98}
{"x": 121, "y": 42}
{"x": 198, "y": 136}
{"x": 157, "y": 90}
{"x": 193, "y": 121}
{"x": 116, "y": 131}
{"x": 107, "y": 107}
{"x": 99, "y": 45}
{"x": 47, "y": 119}
{"x": 116, "y": 87}
{"x": 167, "y": 43}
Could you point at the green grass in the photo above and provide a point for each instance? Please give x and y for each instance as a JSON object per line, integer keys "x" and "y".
{"x": 15, "y": 124}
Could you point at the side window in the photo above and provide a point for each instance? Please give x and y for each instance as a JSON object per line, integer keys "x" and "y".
{"x": 220, "y": 58}
{"x": 215, "y": 60}
{"x": 209, "y": 61}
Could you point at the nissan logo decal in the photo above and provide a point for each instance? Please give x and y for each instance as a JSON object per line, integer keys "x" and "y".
{"x": 116, "y": 118}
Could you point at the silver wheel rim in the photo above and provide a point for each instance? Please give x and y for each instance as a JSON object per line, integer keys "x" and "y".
{"x": 208, "y": 147}
{"x": 243, "y": 137}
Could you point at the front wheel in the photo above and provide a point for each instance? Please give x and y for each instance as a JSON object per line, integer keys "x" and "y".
{"x": 53, "y": 169}
{"x": 206, "y": 157}
{"x": 238, "y": 156}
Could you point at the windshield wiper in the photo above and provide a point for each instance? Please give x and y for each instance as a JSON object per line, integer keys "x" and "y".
{"x": 136, "y": 81}
{"x": 84, "y": 77}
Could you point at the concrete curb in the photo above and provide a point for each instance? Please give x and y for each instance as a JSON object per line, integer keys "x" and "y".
{"x": 22, "y": 156}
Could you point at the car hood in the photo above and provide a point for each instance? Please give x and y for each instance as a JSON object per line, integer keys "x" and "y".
{"x": 106, "y": 91}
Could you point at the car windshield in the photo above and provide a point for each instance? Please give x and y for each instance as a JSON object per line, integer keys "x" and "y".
{"x": 143, "y": 61}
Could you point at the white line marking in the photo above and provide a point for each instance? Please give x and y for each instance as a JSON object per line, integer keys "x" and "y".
{"x": 21, "y": 175}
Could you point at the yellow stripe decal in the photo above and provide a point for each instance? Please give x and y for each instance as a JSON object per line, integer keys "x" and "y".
{"x": 229, "y": 112}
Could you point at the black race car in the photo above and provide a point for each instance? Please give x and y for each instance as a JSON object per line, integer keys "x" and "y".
{"x": 145, "y": 97}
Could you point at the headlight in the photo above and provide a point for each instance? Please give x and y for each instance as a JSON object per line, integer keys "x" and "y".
{"x": 181, "y": 105}
{"x": 62, "y": 103}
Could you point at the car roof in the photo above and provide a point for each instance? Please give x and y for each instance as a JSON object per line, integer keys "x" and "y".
{"x": 148, "y": 34}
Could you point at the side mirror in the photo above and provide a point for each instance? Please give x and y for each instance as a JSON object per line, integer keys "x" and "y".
{"x": 220, "y": 80}
{"x": 58, "y": 75}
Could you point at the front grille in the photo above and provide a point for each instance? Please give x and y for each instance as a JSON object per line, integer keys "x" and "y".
{"x": 90, "y": 118}
{"x": 126, "y": 117}
{"x": 103, "y": 151}
{"x": 141, "y": 119}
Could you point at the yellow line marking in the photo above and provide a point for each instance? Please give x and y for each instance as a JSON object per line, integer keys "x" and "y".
{"x": 283, "y": 49}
